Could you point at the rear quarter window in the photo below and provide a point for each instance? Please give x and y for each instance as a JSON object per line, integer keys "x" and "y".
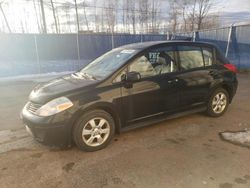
{"x": 208, "y": 56}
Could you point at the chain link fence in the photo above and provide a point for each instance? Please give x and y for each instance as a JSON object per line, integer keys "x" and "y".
{"x": 22, "y": 54}
{"x": 233, "y": 41}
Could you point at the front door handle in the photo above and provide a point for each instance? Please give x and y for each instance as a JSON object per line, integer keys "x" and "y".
{"x": 174, "y": 80}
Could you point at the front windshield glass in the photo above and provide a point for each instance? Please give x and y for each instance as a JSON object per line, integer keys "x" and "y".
{"x": 107, "y": 63}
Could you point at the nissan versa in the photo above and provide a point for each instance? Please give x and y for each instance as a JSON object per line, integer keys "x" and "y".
{"x": 129, "y": 87}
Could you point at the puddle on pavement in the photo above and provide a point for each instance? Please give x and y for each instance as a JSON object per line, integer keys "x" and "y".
{"x": 68, "y": 166}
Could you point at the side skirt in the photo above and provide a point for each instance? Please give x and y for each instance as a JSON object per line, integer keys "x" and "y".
{"x": 160, "y": 119}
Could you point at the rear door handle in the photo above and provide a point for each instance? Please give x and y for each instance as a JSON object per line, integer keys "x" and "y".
{"x": 174, "y": 80}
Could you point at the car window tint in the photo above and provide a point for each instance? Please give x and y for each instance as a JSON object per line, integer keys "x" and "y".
{"x": 208, "y": 56}
{"x": 119, "y": 77}
{"x": 155, "y": 62}
{"x": 143, "y": 66}
{"x": 190, "y": 57}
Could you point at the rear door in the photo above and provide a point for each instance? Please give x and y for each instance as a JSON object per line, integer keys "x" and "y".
{"x": 196, "y": 74}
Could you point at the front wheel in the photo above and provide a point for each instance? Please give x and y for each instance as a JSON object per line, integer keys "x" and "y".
{"x": 94, "y": 130}
{"x": 218, "y": 103}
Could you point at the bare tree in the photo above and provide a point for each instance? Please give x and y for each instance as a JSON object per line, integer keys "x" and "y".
{"x": 54, "y": 15}
{"x": 43, "y": 17}
{"x": 4, "y": 17}
{"x": 111, "y": 15}
{"x": 124, "y": 14}
{"x": 36, "y": 14}
{"x": 189, "y": 15}
{"x": 85, "y": 15}
{"x": 133, "y": 17}
{"x": 183, "y": 4}
{"x": 204, "y": 6}
{"x": 58, "y": 19}
{"x": 97, "y": 18}
{"x": 174, "y": 13}
{"x": 153, "y": 13}
{"x": 211, "y": 21}
{"x": 192, "y": 15}
{"x": 144, "y": 14}
{"x": 77, "y": 17}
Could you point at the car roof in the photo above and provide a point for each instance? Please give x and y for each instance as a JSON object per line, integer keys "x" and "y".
{"x": 145, "y": 45}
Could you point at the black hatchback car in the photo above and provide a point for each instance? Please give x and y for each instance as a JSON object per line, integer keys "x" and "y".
{"x": 129, "y": 87}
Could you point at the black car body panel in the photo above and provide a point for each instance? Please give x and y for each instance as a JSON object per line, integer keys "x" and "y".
{"x": 132, "y": 105}
{"x": 61, "y": 86}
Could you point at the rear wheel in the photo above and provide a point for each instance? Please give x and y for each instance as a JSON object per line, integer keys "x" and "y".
{"x": 94, "y": 130}
{"x": 218, "y": 103}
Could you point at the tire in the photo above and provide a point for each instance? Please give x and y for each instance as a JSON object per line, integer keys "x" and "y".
{"x": 94, "y": 130}
{"x": 218, "y": 103}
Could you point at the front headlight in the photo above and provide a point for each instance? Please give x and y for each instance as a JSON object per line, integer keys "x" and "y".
{"x": 55, "y": 106}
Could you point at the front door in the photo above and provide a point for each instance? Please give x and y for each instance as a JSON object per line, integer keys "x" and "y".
{"x": 157, "y": 93}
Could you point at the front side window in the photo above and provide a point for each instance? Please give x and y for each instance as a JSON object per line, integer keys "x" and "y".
{"x": 154, "y": 62}
{"x": 190, "y": 57}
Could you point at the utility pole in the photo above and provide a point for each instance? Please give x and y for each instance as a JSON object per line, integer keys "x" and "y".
{"x": 5, "y": 19}
{"x": 43, "y": 17}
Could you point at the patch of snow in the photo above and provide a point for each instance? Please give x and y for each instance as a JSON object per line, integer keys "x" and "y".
{"x": 240, "y": 138}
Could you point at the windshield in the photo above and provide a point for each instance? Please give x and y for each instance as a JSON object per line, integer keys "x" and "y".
{"x": 108, "y": 63}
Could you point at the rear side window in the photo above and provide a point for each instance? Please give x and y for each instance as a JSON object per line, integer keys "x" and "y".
{"x": 190, "y": 57}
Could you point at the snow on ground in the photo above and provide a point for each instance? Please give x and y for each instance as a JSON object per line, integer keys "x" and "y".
{"x": 240, "y": 138}
{"x": 17, "y": 140}
{"x": 35, "y": 77}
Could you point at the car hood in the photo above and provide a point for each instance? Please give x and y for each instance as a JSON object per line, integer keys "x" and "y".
{"x": 58, "y": 87}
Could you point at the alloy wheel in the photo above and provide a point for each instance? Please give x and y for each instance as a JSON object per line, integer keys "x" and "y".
{"x": 219, "y": 103}
{"x": 95, "y": 132}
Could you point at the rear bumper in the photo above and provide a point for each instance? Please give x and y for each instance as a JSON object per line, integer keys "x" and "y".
{"x": 54, "y": 130}
{"x": 234, "y": 88}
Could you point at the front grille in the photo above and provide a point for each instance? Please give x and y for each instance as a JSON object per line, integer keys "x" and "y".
{"x": 33, "y": 107}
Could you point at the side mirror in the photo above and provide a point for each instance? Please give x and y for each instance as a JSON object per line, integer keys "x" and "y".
{"x": 132, "y": 76}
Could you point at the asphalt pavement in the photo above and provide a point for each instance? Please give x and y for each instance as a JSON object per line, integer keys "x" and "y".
{"x": 184, "y": 152}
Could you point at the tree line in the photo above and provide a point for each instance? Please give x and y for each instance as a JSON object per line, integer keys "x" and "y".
{"x": 116, "y": 16}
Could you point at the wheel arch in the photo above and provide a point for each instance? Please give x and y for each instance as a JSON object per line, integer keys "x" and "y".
{"x": 225, "y": 86}
{"x": 105, "y": 106}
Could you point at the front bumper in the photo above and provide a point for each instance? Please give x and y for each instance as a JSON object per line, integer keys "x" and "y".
{"x": 53, "y": 130}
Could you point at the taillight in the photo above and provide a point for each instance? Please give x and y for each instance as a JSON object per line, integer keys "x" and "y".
{"x": 231, "y": 67}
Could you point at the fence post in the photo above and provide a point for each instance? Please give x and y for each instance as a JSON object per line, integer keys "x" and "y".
{"x": 232, "y": 38}
{"x": 196, "y": 36}
{"x": 78, "y": 49}
{"x": 229, "y": 40}
{"x": 112, "y": 39}
{"x": 37, "y": 55}
{"x": 172, "y": 36}
{"x": 235, "y": 45}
